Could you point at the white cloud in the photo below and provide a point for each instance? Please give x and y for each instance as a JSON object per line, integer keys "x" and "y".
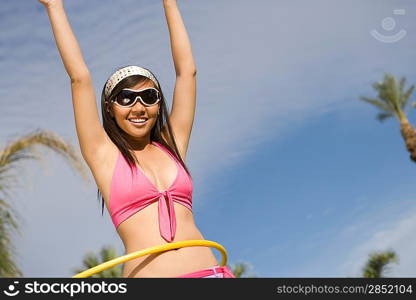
{"x": 345, "y": 250}
{"x": 397, "y": 234}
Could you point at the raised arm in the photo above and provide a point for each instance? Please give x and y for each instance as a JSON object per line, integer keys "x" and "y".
{"x": 184, "y": 96}
{"x": 91, "y": 134}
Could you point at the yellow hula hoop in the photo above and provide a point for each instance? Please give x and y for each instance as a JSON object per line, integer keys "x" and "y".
{"x": 151, "y": 250}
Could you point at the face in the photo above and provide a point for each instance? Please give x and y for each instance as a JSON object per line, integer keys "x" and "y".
{"x": 124, "y": 115}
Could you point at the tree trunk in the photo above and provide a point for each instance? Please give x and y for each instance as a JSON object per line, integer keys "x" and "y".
{"x": 409, "y": 136}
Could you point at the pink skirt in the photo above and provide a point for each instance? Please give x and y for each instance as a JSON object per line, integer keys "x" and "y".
{"x": 213, "y": 272}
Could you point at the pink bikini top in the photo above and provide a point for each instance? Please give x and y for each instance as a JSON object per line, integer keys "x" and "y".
{"x": 129, "y": 194}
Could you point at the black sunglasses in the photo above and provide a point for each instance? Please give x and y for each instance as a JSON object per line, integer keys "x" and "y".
{"x": 128, "y": 97}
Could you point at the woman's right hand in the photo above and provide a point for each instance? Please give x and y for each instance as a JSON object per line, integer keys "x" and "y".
{"x": 50, "y": 3}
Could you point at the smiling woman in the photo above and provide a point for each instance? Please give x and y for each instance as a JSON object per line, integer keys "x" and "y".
{"x": 137, "y": 156}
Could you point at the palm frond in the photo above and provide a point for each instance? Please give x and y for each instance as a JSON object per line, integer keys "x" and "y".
{"x": 384, "y": 106}
{"x": 241, "y": 270}
{"x": 24, "y": 148}
{"x": 383, "y": 116}
{"x": 11, "y": 156}
{"x": 407, "y": 94}
{"x": 378, "y": 262}
{"x": 8, "y": 267}
{"x": 402, "y": 83}
{"x": 391, "y": 97}
{"x": 91, "y": 260}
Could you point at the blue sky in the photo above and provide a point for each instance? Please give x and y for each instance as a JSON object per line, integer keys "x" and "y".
{"x": 292, "y": 174}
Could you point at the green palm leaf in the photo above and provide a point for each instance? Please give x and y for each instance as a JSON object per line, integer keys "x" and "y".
{"x": 392, "y": 99}
{"x": 383, "y": 116}
{"x": 12, "y": 156}
{"x": 378, "y": 262}
{"x": 91, "y": 260}
{"x": 241, "y": 270}
{"x": 384, "y": 106}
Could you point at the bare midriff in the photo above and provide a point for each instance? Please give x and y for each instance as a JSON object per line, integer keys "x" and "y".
{"x": 141, "y": 231}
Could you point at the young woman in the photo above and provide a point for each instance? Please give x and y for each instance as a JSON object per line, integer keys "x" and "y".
{"x": 137, "y": 156}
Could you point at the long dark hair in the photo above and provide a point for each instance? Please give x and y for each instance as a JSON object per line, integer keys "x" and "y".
{"x": 115, "y": 133}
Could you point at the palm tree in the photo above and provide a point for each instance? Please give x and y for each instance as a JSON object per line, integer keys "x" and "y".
{"x": 377, "y": 263}
{"x": 392, "y": 101}
{"x": 91, "y": 260}
{"x": 240, "y": 270}
{"x": 11, "y": 156}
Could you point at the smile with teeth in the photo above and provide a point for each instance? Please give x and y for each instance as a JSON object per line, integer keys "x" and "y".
{"x": 138, "y": 121}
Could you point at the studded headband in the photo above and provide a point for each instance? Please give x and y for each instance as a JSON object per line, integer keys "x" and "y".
{"x": 119, "y": 75}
